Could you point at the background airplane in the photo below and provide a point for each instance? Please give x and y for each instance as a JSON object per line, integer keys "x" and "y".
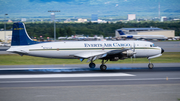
{"x": 80, "y": 37}
{"x": 123, "y": 35}
{"x": 91, "y": 50}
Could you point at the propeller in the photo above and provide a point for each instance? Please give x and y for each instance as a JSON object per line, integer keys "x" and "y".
{"x": 134, "y": 53}
{"x": 134, "y": 56}
{"x": 131, "y": 49}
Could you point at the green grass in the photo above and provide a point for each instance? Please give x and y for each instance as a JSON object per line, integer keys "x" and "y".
{"x": 14, "y": 59}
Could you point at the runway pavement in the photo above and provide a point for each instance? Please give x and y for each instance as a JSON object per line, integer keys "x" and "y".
{"x": 121, "y": 82}
{"x": 3, "y": 50}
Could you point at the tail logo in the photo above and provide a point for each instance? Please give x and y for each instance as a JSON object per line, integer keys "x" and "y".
{"x": 20, "y": 36}
{"x": 18, "y": 28}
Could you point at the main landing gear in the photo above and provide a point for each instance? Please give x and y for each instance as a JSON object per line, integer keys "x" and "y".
{"x": 150, "y": 65}
{"x": 103, "y": 67}
{"x": 92, "y": 65}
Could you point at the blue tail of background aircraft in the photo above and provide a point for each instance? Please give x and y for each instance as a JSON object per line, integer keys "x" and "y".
{"x": 121, "y": 32}
{"x": 20, "y": 36}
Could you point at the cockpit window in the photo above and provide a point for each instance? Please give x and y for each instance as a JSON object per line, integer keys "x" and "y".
{"x": 152, "y": 45}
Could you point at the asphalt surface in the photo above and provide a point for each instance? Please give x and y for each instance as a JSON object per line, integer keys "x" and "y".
{"x": 121, "y": 82}
{"x": 3, "y": 50}
{"x": 168, "y": 46}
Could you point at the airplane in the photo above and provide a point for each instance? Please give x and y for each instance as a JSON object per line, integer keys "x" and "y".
{"x": 123, "y": 35}
{"x": 22, "y": 44}
{"x": 61, "y": 38}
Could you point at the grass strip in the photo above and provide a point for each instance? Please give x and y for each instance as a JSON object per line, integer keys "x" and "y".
{"x": 15, "y": 59}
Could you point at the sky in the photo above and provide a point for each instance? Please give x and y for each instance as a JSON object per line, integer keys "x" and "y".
{"x": 36, "y": 8}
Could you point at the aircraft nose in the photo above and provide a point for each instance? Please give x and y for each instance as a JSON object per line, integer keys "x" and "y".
{"x": 162, "y": 50}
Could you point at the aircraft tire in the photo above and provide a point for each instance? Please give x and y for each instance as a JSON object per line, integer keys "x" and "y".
{"x": 103, "y": 67}
{"x": 150, "y": 65}
{"x": 92, "y": 65}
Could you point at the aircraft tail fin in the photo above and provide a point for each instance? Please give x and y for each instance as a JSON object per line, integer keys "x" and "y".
{"x": 121, "y": 32}
{"x": 20, "y": 36}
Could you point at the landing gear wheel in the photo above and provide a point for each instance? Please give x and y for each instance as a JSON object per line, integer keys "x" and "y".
{"x": 103, "y": 67}
{"x": 92, "y": 65}
{"x": 150, "y": 65}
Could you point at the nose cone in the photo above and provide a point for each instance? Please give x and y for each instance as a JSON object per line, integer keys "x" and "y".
{"x": 162, "y": 50}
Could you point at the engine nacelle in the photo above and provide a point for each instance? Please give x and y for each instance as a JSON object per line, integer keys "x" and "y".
{"x": 129, "y": 53}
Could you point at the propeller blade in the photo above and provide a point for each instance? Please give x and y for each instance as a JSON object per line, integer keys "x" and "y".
{"x": 134, "y": 56}
{"x": 134, "y": 52}
{"x": 130, "y": 46}
{"x": 134, "y": 47}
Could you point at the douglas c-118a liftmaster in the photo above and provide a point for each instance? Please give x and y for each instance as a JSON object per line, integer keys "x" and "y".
{"x": 91, "y": 50}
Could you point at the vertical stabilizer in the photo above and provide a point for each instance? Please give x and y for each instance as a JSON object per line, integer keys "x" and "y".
{"x": 121, "y": 32}
{"x": 20, "y": 36}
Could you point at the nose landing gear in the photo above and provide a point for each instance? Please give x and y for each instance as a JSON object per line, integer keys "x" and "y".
{"x": 150, "y": 65}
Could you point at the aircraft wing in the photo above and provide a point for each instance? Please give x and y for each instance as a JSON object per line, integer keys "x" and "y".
{"x": 87, "y": 54}
{"x": 91, "y": 56}
{"x": 116, "y": 52}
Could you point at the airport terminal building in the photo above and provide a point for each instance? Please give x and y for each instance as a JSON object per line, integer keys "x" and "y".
{"x": 146, "y": 31}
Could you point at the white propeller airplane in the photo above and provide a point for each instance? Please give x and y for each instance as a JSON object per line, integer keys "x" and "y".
{"x": 22, "y": 44}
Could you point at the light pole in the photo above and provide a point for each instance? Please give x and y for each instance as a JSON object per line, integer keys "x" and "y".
{"x": 5, "y": 27}
{"x": 54, "y": 22}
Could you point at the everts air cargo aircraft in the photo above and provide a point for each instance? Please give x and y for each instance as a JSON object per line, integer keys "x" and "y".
{"x": 91, "y": 50}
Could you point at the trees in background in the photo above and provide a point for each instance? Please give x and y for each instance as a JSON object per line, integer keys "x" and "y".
{"x": 90, "y": 29}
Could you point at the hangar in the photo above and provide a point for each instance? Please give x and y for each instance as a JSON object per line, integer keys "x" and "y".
{"x": 146, "y": 31}
{"x": 8, "y": 36}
